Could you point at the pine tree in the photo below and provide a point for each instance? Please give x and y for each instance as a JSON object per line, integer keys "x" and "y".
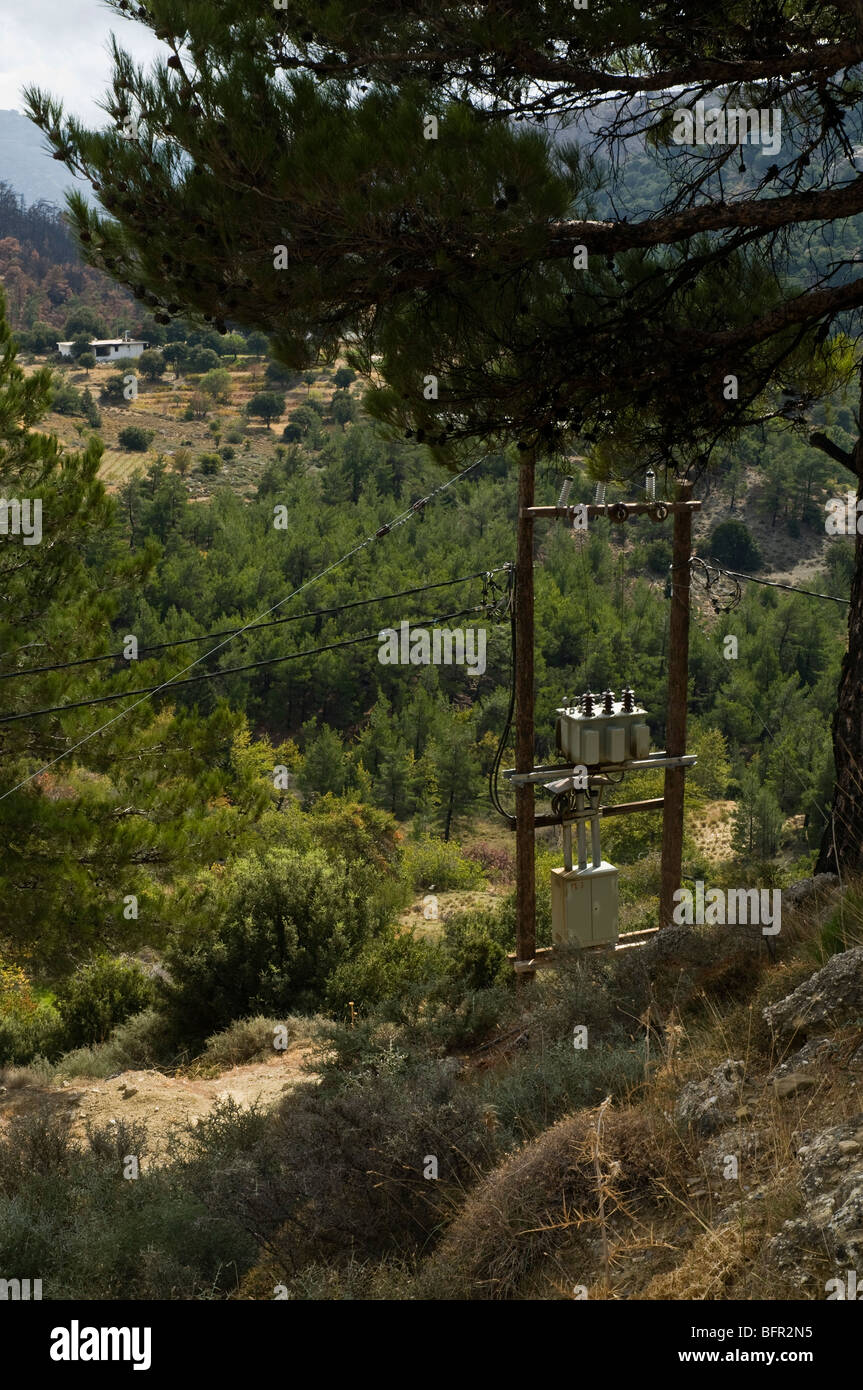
{"x": 460, "y": 249}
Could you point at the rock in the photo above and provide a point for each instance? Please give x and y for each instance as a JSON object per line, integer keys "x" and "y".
{"x": 831, "y": 1181}
{"x": 787, "y": 1086}
{"x": 806, "y": 888}
{"x": 710, "y": 1105}
{"x": 833, "y": 996}
{"x": 129, "y": 1091}
{"x": 815, "y": 1052}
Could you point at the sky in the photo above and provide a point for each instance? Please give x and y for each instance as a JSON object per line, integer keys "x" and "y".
{"x": 62, "y": 46}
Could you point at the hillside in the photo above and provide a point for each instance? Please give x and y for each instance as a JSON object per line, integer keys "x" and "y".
{"x": 26, "y": 164}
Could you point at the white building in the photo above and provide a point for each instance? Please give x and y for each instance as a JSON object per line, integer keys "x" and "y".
{"x": 109, "y": 349}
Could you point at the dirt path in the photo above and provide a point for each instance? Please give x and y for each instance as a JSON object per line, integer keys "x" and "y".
{"x": 164, "y": 1103}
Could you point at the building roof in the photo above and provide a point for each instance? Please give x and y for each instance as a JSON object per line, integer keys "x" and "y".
{"x": 108, "y": 342}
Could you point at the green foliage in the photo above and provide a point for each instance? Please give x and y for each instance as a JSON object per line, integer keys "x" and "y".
{"x": 267, "y": 405}
{"x": 114, "y": 388}
{"x": 732, "y": 544}
{"x": 65, "y": 400}
{"x": 209, "y": 464}
{"x": 283, "y": 923}
{"x": 98, "y": 996}
{"x": 68, "y": 1210}
{"x": 151, "y": 364}
{"x": 217, "y": 383}
{"x": 135, "y": 439}
{"x": 435, "y": 863}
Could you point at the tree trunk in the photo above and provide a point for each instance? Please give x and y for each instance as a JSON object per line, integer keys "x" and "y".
{"x": 525, "y": 833}
{"x": 842, "y": 843}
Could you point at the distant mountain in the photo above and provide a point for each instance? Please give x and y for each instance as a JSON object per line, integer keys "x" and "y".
{"x": 27, "y": 166}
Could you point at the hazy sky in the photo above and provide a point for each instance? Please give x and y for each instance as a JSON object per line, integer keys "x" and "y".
{"x": 62, "y": 45}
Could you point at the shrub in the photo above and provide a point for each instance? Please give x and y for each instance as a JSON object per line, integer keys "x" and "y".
{"x": 135, "y": 439}
{"x": 385, "y": 969}
{"x": 281, "y": 926}
{"x": 732, "y": 544}
{"x": 145, "y": 1040}
{"x": 217, "y": 383}
{"x": 228, "y": 452}
{"x": 476, "y": 949}
{"x": 65, "y": 400}
{"x": 114, "y": 389}
{"x": 104, "y": 992}
{"x": 440, "y": 863}
{"x": 657, "y": 556}
{"x": 253, "y": 1039}
{"x": 496, "y": 863}
{"x": 90, "y": 410}
{"x": 209, "y": 463}
{"x": 28, "y": 1027}
{"x": 66, "y": 1210}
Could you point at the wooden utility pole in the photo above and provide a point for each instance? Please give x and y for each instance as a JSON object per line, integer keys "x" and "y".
{"x": 525, "y": 862}
{"x": 678, "y": 679}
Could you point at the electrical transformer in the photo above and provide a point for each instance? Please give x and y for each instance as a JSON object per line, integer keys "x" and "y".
{"x": 600, "y": 729}
{"x": 596, "y": 733}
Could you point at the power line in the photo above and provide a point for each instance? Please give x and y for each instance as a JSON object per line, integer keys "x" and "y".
{"x": 400, "y": 520}
{"x": 775, "y": 584}
{"x": 232, "y": 670}
{"x": 254, "y": 627}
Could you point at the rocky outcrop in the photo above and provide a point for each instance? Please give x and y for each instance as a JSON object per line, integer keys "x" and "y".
{"x": 831, "y": 1181}
{"x": 829, "y": 999}
{"x": 712, "y": 1104}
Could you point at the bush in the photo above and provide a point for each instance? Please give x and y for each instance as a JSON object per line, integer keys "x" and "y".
{"x": 65, "y": 1212}
{"x": 732, "y": 544}
{"x": 476, "y": 945}
{"x": 143, "y": 1041}
{"x": 386, "y": 969}
{"x": 114, "y": 388}
{"x": 104, "y": 992}
{"x": 217, "y": 383}
{"x": 253, "y": 1039}
{"x": 135, "y": 439}
{"x": 281, "y": 926}
{"x": 65, "y": 400}
{"x": 439, "y": 863}
{"x": 28, "y": 1027}
{"x": 90, "y": 410}
{"x": 209, "y": 463}
{"x": 228, "y": 452}
{"x": 657, "y": 556}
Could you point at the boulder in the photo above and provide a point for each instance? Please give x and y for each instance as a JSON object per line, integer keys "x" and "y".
{"x": 712, "y": 1104}
{"x": 830, "y": 998}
